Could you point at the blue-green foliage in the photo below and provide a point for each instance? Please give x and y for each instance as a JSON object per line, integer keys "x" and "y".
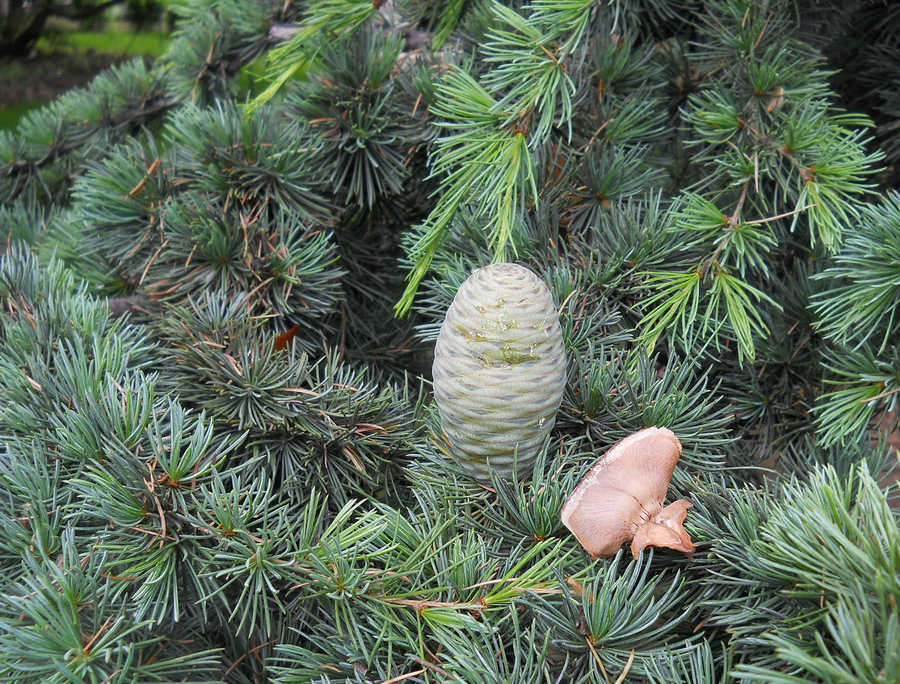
{"x": 219, "y": 459}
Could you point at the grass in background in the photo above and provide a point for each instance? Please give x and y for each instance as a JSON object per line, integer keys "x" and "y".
{"x": 10, "y": 116}
{"x": 70, "y": 46}
{"x": 109, "y": 41}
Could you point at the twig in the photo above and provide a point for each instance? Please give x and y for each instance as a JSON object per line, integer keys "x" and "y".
{"x": 590, "y": 644}
{"x": 621, "y": 677}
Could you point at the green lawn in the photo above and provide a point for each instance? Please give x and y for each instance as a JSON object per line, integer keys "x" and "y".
{"x": 109, "y": 41}
{"x": 10, "y": 116}
{"x": 67, "y": 45}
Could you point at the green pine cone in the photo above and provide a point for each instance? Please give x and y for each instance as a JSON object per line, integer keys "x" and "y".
{"x": 499, "y": 371}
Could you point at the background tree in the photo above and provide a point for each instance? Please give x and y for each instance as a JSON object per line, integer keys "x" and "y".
{"x": 220, "y": 458}
{"x": 22, "y": 23}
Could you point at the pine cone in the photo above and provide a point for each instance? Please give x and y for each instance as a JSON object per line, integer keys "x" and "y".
{"x": 499, "y": 371}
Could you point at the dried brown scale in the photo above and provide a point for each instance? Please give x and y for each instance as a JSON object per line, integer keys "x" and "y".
{"x": 622, "y": 496}
{"x": 499, "y": 371}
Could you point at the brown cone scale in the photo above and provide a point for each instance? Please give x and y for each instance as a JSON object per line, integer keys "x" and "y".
{"x": 621, "y": 498}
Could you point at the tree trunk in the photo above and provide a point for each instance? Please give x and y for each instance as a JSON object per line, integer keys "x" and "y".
{"x": 20, "y": 29}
